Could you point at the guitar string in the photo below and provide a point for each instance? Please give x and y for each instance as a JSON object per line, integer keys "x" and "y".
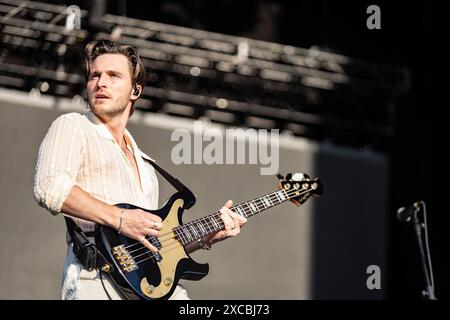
{"x": 248, "y": 212}
{"x": 214, "y": 215}
{"x": 177, "y": 242}
{"x": 210, "y": 225}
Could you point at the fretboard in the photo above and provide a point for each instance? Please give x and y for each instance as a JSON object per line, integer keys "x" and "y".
{"x": 202, "y": 227}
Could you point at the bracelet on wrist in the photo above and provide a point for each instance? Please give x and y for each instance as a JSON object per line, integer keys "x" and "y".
{"x": 203, "y": 245}
{"x": 121, "y": 219}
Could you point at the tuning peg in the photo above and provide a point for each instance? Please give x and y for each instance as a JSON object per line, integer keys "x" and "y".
{"x": 280, "y": 177}
{"x": 289, "y": 176}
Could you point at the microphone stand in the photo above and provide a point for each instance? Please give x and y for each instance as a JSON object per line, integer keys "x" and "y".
{"x": 428, "y": 293}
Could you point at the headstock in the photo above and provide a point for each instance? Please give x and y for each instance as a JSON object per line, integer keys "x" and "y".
{"x": 299, "y": 187}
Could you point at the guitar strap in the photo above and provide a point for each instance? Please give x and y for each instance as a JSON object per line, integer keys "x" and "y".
{"x": 86, "y": 251}
{"x": 190, "y": 199}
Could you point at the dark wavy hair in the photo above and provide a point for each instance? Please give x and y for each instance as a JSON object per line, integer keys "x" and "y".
{"x": 102, "y": 46}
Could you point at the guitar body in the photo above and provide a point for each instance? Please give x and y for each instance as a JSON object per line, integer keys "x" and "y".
{"x": 140, "y": 274}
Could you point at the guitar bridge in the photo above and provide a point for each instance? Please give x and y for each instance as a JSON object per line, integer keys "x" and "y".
{"x": 124, "y": 258}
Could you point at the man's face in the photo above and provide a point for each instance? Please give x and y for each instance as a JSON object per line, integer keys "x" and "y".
{"x": 109, "y": 85}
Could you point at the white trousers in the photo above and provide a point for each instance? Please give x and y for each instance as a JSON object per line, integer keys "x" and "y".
{"x": 81, "y": 284}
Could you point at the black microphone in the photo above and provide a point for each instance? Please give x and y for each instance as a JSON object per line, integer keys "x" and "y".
{"x": 404, "y": 214}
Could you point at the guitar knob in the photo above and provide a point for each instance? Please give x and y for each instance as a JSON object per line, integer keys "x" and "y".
{"x": 150, "y": 289}
{"x": 168, "y": 281}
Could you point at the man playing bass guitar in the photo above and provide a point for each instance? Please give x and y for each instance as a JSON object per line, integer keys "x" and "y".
{"x": 87, "y": 163}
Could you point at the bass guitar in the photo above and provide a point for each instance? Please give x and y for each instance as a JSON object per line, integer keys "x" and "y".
{"x": 143, "y": 275}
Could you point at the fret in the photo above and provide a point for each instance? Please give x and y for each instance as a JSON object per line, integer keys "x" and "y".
{"x": 180, "y": 233}
{"x": 208, "y": 226}
{"x": 252, "y": 205}
{"x": 183, "y": 235}
{"x": 186, "y": 236}
{"x": 194, "y": 232}
{"x": 239, "y": 209}
{"x": 187, "y": 233}
{"x": 279, "y": 200}
{"x": 263, "y": 203}
{"x": 246, "y": 211}
{"x": 195, "y": 226}
{"x": 248, "y": 208}
{"x": 287, "y": 196}
{"x": 216, "y": 224}
{"x": 242, "y": 210}
{"x": 202, "y": 228}
{"x": 178, "y": 236}
{"x": 176, "y": 231}
{"x": 258, "y": 205}
{"x": 281, "y": 196}
{"x": 191, "y": 231}
{"x": 267, "y": 201}
{"x": 198, "y": 229}
{"x": 270, "y": 199}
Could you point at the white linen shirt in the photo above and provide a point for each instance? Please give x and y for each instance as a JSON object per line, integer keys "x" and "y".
{"x": 80, "y": 150}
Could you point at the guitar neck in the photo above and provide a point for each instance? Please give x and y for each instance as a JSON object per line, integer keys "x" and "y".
{"x": 199, "y": 228}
